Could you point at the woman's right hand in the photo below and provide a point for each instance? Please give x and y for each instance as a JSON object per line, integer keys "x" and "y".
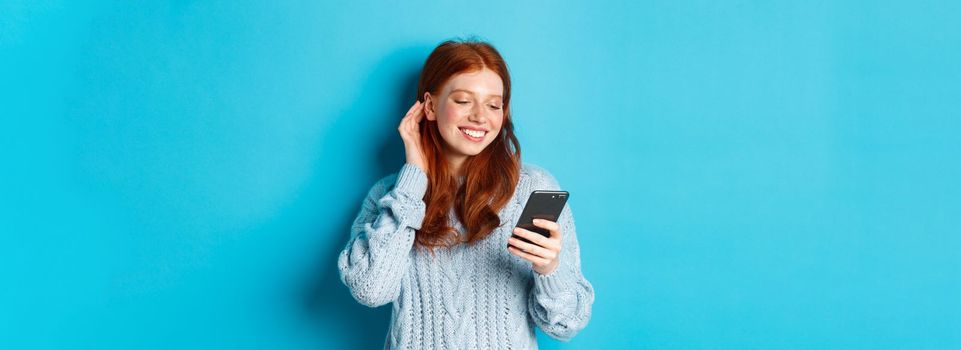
{"x": 410, "y": 132}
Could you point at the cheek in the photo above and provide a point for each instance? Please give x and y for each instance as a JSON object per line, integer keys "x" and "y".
{"x": 497, "y": 121}
{"x": 447, "y": 115}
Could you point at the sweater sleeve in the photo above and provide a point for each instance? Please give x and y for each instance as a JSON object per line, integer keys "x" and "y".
{"x": 560, "y": 302}
{"x": 377, "y": 255}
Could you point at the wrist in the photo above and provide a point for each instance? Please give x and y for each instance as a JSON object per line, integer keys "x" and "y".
{"x": 417, "y": 161}
{"x": 546, "y": 270}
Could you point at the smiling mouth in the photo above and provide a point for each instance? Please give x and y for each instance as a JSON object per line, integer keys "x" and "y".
{"x": 473, "y": 135}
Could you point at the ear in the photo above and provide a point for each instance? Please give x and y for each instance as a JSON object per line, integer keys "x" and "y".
{"x": 429, "y": 107}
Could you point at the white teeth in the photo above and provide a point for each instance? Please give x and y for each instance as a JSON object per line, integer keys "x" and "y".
{"x": 474, "y": 133}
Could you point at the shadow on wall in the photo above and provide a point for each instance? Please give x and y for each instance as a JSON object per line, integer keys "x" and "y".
{"x": 325, "y": 298}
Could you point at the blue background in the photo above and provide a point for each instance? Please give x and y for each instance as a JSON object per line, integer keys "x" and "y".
{"x": 743, "y": 174}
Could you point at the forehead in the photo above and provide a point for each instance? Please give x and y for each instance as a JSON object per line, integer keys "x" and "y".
{"x": 483, "y": 82}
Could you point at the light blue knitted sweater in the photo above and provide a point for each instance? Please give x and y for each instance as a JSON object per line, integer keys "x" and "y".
{"x": 475, "y": 296}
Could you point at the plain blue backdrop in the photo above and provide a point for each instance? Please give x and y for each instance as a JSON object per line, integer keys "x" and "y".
{"x": 744, "y": 175}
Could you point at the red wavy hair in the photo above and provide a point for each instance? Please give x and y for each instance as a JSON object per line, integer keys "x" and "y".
{"x": 490, "y": 176}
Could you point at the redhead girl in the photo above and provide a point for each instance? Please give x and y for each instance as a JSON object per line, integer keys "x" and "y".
{"x": 435, "y": 239}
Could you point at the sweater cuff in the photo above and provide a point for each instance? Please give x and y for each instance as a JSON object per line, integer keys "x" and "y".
{"x": 412, "y": 180}
{"x": 552, "y": 284}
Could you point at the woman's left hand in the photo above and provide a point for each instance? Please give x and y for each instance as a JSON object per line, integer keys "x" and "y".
{"x": 545, "y": 253}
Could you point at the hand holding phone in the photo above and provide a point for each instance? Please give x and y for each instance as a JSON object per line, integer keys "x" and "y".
{"x": 541, "y": 248}
{"x": 541, "y": 204}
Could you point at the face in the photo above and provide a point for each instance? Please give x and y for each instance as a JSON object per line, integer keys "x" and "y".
{"x": 469, "y": 111}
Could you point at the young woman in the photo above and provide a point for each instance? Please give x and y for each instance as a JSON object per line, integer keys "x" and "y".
{"x": 435, "y": 238}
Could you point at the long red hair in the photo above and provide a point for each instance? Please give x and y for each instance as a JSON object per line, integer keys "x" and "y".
{"x": 490, "y": 176}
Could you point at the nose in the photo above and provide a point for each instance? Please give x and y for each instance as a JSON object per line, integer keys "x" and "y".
{"x": 477, "y": 114}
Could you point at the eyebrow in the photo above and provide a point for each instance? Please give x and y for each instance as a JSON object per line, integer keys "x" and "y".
{"x": 471, "y": 92}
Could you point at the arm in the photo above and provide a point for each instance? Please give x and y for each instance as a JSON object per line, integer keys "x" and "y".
{"x": 560, "y": 301}
{"x": 377, "y": 255}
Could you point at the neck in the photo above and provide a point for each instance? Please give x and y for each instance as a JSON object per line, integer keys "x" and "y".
{"x": 454, "y": 162}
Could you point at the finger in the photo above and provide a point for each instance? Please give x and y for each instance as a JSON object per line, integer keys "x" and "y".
{"x": 419, "y": 114}
{"x": 532, "y": 249}
{"x": 528, "y": 257}
{"x": 535, "y": 237}
{"x": 404, "y": 126}
{"x": 412, "y": 108}
{"x": 404, "y": 122}
{"x": 547, "y": 224}
{"x": 551, "y": 226}
{"x": 411, "y": 121}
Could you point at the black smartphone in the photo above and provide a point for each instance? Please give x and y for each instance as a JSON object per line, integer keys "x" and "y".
{"x": 545, "y": 205}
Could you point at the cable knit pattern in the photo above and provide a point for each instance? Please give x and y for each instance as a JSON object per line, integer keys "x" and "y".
{"x": 475, "y": 296}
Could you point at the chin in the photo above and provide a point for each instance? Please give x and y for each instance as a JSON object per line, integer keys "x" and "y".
{"x": 468, "y": 150}
{"x": 471, "y": 152}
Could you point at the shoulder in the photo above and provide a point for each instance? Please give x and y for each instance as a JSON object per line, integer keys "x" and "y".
{"x": 539, "y": 176}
